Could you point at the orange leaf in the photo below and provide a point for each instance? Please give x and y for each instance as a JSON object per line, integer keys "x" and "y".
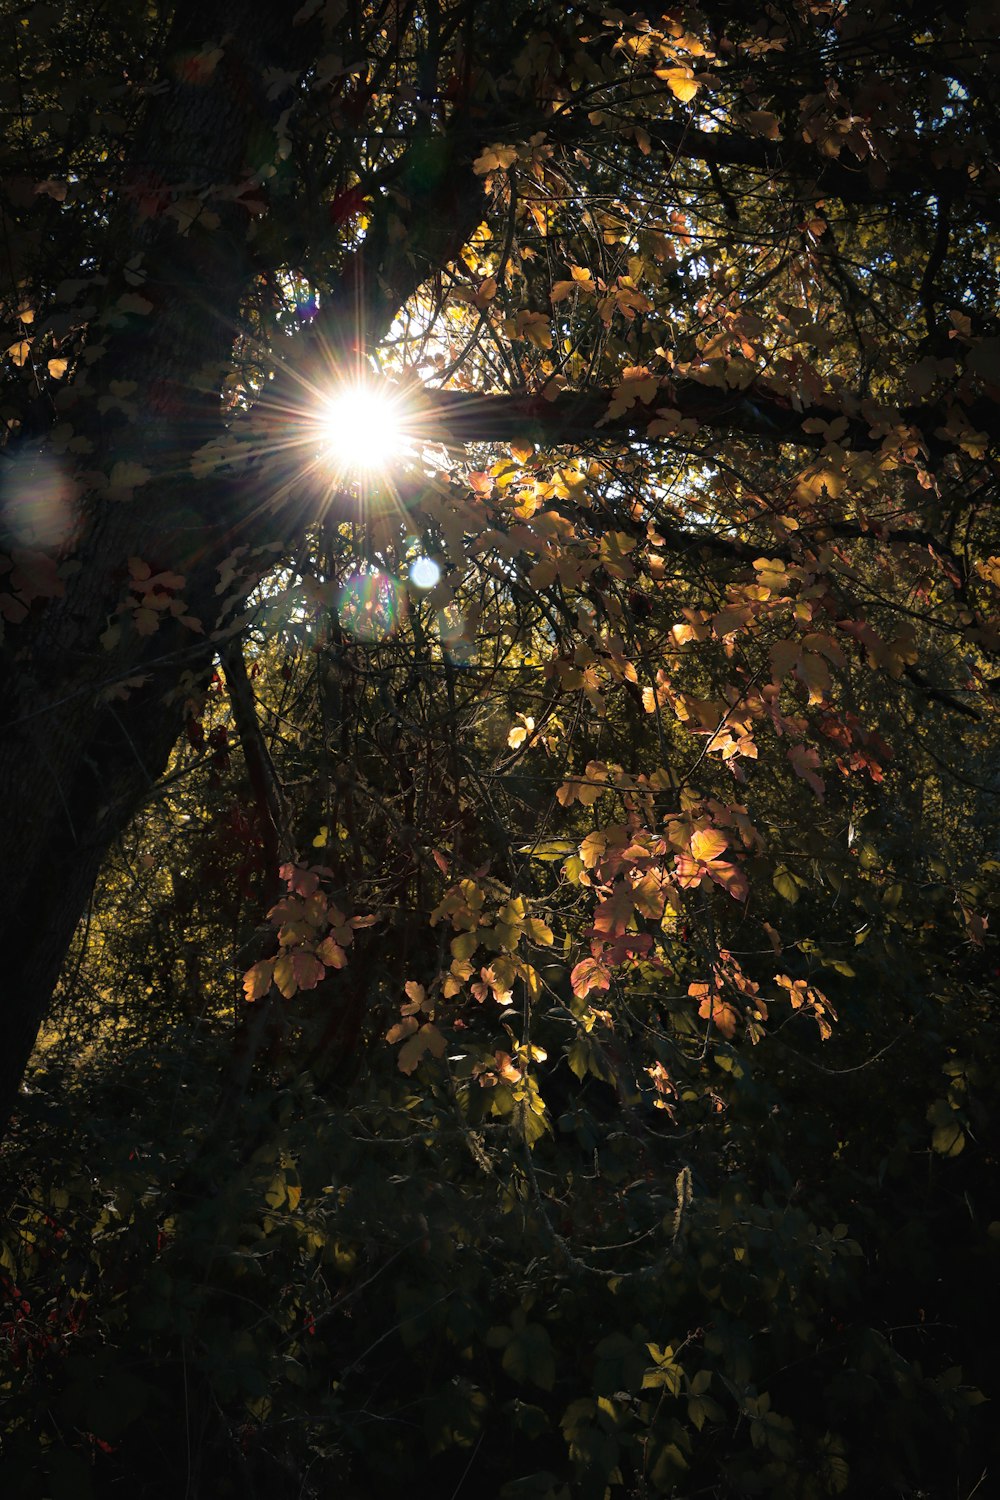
{"x": 297, "y": 970}
{"x": 257, "y": 981}
{"x": 589, "y": 974}
{"x": 723, "y": 1015}
{"x": 612, "y": 915}
{"x": 332, "y": 954}
{"x": 805, "y": 763}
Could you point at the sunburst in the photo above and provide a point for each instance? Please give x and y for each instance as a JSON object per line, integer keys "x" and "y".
{"x": 362, "y": 429}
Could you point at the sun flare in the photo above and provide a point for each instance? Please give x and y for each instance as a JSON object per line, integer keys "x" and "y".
{"x": 364, "y": 429}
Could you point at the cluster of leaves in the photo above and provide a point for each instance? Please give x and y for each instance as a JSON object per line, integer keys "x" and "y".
{"x": 625, "y": 1204}
{"x": 718, "y": 1280}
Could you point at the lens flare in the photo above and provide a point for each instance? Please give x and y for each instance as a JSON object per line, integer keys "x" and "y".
{"x": 424, "y": 573}
{"x": 38, "y": 501}
{"x": 370, "y": 606}
{"x": 363, "y": 429}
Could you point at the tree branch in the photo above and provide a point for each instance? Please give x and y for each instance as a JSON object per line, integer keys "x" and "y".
{"x": 582, "y": 417}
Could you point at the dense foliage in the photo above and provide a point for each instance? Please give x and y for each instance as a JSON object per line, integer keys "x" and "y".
{"x": 534, "y": 1026}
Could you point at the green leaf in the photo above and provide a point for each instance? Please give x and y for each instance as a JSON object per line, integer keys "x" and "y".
{"x": 702, "y": 1409}
{"x": 528, "y": 1357}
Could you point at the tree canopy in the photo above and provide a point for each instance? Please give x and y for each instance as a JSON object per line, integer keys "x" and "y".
{"x": 500, "y": 593}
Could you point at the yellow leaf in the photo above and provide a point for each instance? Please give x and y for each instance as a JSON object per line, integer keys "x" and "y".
{"x": 948, "y": 1139}
{"x": 534, "y": 326}
{"x": 785, "y": 884}
{"x": 19, "y": 352}
{"x": 494, "y": 157}
{"x": 680, "y": 81}
{"x": 549, "y": 849}
{"x": 487, "y": 291}
{"x": 277, "y": 1191}
{"x": 464, "y": 945}
{"x": 411, "y": 1053}
{"x": 520, "y": 732}
{"x": 57, "y": 368}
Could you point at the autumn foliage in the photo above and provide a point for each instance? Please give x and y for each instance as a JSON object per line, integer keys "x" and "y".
{"x": 500, "y": 990}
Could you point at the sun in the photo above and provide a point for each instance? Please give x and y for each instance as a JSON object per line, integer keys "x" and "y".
{"x": 363, "y": 428}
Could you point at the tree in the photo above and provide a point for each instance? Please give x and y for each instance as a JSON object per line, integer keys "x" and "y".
{"x": 614, "y": 773}
{"x": 714, "y": 239}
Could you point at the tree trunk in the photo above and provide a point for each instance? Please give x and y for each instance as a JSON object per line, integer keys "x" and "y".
{"x": 74, "y": 761}
{"x": 77, "y": 755}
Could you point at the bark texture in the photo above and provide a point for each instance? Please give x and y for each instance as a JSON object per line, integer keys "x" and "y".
{"x": 77, "y": 759}
{"x": 75, "y": 762}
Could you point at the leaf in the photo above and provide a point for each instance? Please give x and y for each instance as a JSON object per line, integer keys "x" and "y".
{"x": 805, "y": 763}
{"x": 494, "y": 158}
{"x": 277, "y": 1191}
{"x": 948, "y": 1137}
{"x": 330, "y": 953}
{"x": 464, "y": 945}
{"x": 785, "y": 883}
{"x": 763, "y": 122}
{"x": 708, "y": 844}
{"x": 680, "y": 81}
{"x": 529, "y": 1357}
{"x": 520, "y": 732}
{"x": 295, "y": 970}
{"x": 589, "y": 974}
{"x": 131, "y": 302}
{"x": 615, "y": 912}
{"x": 702, "y": 1409}
{"x": 730, "y": 877}
{"x": 257, "y": 981}
{"x": 549, "y": 849}
{"x": 126, "y": 477}
{"x": 413, "y": 1051}
{"x": 535, "y": 327}
{"x": 146, "y": 621}
{"x": 714, "y": 1008}
{"x": 416, "y": 994}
